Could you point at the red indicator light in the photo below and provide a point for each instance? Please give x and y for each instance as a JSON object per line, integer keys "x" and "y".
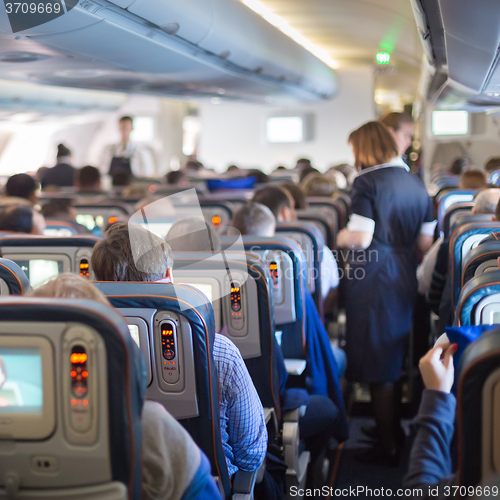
{"x": 73, "y": 401}
{"x": 216, "y": 220}
{"x": 112, "y": 220}
{"x": 73, "y": 374}
{"x": 85, "y": 402}
{"x": 78, "y": 357}
{"x": 85, "y": 374}
{"x": 152, "y": 188}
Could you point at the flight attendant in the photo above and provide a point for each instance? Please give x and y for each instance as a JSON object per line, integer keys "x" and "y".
{"x": 126, "y": 157}
{"x": 391, "y": 218}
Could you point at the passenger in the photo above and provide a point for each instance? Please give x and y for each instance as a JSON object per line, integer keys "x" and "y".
{"x": 303, "y": 163}
{"x": 492, "y": 165}
{"x": 439, "y": 292}
{"x": 391, "y": 213}
{"x": 22, "y": 219}
{"x": 233, "y": 168}
{"x": 400, "y": 126}
{"x": 121, "y": 180}
{"x": 63, "y": 174}
{"x": 61, "y": 209}
{"x": 253, "y": 219}
{"x": 177, "y": 178}
{"x": 319, "y": 185}
{"x": 472, "y": 179}
{"x": 244, "y": 433}
{"x": 126, "y": 157}
{"x": 21, "y": 189}
{"x": 88, "y": 180}
{"x": 299, "y": 198}
{"x": 348, "y": 170}
{"x": 461, "y": 165}
{"x": 170, "y": 458}
{"x": 307, "y": 171}
{"x": 430, "y": 462}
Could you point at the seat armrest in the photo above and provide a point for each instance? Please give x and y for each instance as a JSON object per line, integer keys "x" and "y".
{"x": 244, "y": 482}
{"x": 294, "y": 415}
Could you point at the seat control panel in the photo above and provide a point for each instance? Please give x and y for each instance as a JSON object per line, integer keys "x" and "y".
{"x": 80, "y": 408}
{"x": 170, "y": 352}
{"x": 237, "y": 312}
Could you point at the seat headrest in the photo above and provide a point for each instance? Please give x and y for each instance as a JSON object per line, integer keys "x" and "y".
{"x": 15, "y": 277}
{"x": 48, "y": 241}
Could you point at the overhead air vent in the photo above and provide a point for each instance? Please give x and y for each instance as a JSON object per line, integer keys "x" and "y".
{"x": 22, "y": 57}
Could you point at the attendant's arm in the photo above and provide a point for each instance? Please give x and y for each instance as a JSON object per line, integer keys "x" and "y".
{"x": 358, "y": 234}
{"x": 430, "y": 459}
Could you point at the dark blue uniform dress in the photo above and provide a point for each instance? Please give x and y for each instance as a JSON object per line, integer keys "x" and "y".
{"x": 381, "y": 282}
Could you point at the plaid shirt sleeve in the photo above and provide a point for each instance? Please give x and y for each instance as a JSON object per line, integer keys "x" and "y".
{"x": 243, "y": 428}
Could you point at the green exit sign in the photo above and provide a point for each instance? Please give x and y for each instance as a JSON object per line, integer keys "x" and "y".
{"x": 383, "y": 57}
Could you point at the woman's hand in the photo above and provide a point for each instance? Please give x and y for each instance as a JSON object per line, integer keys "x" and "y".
{"x": 437, "y": 368}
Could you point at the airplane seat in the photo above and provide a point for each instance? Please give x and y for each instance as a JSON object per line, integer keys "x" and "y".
{"x": 96, "y": 216}
{"x": 288, "y": 266}
{"x": 183, "y": 377}
{"x": 13, "y": 280}
{"x": 483, "y": 258}
{"x": 336, "y": 208}
{"x": 479, "y": 300}
{"x": 478, "y": 411}
{"x": 460, "y": 218}
{"x": 495, "y": 178}
{"x": 43, "y": 257}
{"x": 66, "y": 435}
{"x": 455, "y": 212}
{"x": 326, "y": 223}
{"x": 311, "y": 241}
{"x": 449, "y": 198}
{"x": 219, "y": 213}
{"x": 463, "y": 239}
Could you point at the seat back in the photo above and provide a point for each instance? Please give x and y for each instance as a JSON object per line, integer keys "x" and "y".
{"x": 478, "y": 303}
{"x": 323, "y": 218}
{"x": 463, "y": 239}
{"x": 71, "y": 401}
{"x": 95, "y": 217}
{"x": 336, "y": 208}
{"x": 43, "y": 257}
{"x": 454, "y": 213}
{"x": 449, "y": 198}
{"x": 60, "y": 228}
{"x": 177, "y": 324}
{"x": 242, "y": 310}
{"x": 483, "y": 258}
{"x": 287, "y": 267}
{"x": 13, "y": 280}
{"x": 311, "y": 241}
{"x": 478, "y": 410}
{"x": 460, "y": 218}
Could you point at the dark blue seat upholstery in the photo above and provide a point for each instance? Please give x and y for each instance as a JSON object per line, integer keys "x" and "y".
{"x": 14, "y": 277}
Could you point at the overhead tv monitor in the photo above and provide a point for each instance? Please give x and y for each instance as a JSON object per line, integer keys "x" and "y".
{"x": 450, "y": 123}
{"x": 27, "y": 399}
{"x": 284, "y": 129}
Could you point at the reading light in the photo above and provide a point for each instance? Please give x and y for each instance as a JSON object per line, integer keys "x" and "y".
{"x": 383, "y": 57}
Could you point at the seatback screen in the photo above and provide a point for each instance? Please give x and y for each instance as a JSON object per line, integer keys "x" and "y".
{"x": 496, "y": 318}
{"x": 134, "y": 333}
{"x": 40, "y": 270}
{"x": 205, "y": 288}
{"x": 21, "y": 389}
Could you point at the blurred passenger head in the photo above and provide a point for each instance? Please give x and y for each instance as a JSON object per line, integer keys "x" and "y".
{"x": 125, "y": 127}
{"x": 177, "y": 178}
{"x": 306, "y": 171}
{"x": 372, "y": 145}
{"x": 254, "y": 219}
{"x": 262, "y": 177}
{"x": 233, "y": 168}
{"x": 400, "y": 126}
{"x": 486, "y": 202}
{"x": 62, "y": 153}
{"x": 492, "y": 165}
{"x": 70, "y": 286}
{"x": 22, "y": 186}
{"x": 320, "y": 185}
{"x": 113, "y": 256}
{"x": 299, "y": 198}
{"x": 472, "y": 179}
{"x": 59, "y": 208}
{"x": 192, "y": 235}
{"x": 89, "y": 179}
{"x": 280, "y": 167}
{"x": 302, "y": 163}
{"x": 461, "y": 165}
{"x": 41, "y": 172}
{"x": 22, "y": 219}
{"x": 121, "y": 179}
{"x": 277, "y": 200}
{"x": 193, "y": 166}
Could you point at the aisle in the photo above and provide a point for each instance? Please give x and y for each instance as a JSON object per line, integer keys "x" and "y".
{"x": 353, "y": 473}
